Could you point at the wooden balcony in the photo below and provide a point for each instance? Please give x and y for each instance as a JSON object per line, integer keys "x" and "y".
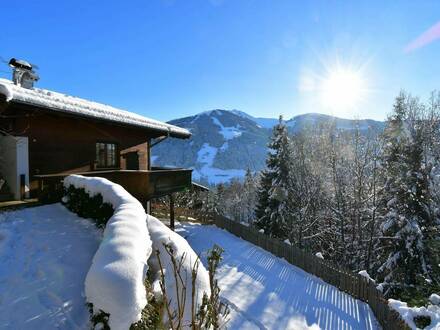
{"x": 143, "y": 185}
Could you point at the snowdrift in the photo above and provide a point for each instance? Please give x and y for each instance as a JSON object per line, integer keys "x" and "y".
{"x": 408, "y": 313}
{"x": 115, "y": 281}
{"x": 160, "y": 235}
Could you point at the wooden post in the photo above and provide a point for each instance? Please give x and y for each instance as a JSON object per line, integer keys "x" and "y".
{"x": 147, "y": 207}
{"x": 22, "y": 186}
{"x": 40, "y": 188}
{"x": 172, "y": 211}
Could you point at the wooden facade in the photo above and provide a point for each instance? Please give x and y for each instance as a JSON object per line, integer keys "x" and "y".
{"x": 60, "y": 143}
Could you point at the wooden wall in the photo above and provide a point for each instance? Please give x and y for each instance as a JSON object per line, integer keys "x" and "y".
{"x": 61, "y": 143}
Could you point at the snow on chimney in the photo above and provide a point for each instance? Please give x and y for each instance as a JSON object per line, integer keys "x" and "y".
{"x": 23, "y": 74}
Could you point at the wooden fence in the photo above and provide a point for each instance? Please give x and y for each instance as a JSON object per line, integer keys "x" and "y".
{"x": 346, "y": 281}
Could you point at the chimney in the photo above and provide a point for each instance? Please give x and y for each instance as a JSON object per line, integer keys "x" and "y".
{"x": 22, "y": 73}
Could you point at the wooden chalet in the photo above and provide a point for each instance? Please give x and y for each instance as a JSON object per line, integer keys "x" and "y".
{"x": 45, "y": 135}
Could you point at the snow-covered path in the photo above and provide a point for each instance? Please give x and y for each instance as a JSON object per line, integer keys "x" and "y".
{"x": 45, "y": 253}
{"x": 265, "y": 292}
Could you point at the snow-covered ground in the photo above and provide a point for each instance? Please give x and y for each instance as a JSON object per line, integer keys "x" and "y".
{"x": 265, "y": 292}
{"x": 45, "y": 253}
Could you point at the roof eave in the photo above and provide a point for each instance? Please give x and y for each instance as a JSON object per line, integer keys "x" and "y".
{"x": 180, "y": 135}
{"x": 170, "y": 132}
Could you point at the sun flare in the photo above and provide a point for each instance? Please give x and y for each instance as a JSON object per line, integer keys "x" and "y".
{"x": 342, "y": 89}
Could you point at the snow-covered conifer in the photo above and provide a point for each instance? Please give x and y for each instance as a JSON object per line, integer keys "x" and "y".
{"x": 273, "y": 209}
{"x": 405, "y": 198}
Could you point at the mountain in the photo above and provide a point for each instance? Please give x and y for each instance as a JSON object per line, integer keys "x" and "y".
{"x": 263, "y": 122}
{"x": 222, "y": 147}
{"x": 225, "y": 143}
{"x": 315, "y": 119}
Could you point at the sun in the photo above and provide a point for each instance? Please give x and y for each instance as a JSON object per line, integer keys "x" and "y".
{"x": 342, "y": 89}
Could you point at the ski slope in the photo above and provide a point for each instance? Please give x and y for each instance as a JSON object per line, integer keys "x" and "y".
{"x": 265, "y": 292}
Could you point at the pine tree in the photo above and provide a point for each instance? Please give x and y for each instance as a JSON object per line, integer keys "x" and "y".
{"x": 273, "y": 206}
{"x": 404, "y": 199}
{"x": 432, "y": 156}
{"x": 262, "y": 207}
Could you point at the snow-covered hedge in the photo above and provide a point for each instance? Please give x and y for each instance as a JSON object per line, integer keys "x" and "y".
{"x": 115, "y": 281}
{"x": 80, "y": 202}
{"x": 161, "y": 235}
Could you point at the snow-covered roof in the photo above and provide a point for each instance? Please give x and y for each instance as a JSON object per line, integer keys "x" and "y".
{"x": 80, "y": 107}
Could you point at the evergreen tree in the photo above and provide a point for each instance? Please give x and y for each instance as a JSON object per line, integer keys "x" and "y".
{"x": 262, "y": 206}
{"x": 404, "y": 200}
{"x": 219, "y": 199}
{"x": 273, "y": 206}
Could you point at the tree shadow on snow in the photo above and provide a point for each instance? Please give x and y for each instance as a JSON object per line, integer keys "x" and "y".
{"x": 273, "y": 292}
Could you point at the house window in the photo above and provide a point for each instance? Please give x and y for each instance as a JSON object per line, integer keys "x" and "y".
{"x": 106, "y": 154}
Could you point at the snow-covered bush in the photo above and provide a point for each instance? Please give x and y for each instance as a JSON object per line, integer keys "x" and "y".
{"x": 172, "y": 254}
{"x": 78, "y": 201}
{"x": 115, "y": 281}
{"x": 411, "y": 314}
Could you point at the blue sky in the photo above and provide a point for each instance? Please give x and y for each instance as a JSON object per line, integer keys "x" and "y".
{"x": 169, "y": 59}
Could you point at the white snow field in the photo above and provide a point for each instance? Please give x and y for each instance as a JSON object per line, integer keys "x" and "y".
{"x": 266, "y": 292}
{"x": 45, "y": 254}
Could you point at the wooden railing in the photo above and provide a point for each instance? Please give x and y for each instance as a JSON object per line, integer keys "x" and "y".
{"x": 162, "y": 211}
{"x": 351, "y": 283}
{"x": 143, "y": 185}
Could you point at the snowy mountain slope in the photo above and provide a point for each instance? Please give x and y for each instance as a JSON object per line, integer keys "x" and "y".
{"x": 222, "y": 147}
{"x": 226, "y": 143}
{"x": 263, "y": 122}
